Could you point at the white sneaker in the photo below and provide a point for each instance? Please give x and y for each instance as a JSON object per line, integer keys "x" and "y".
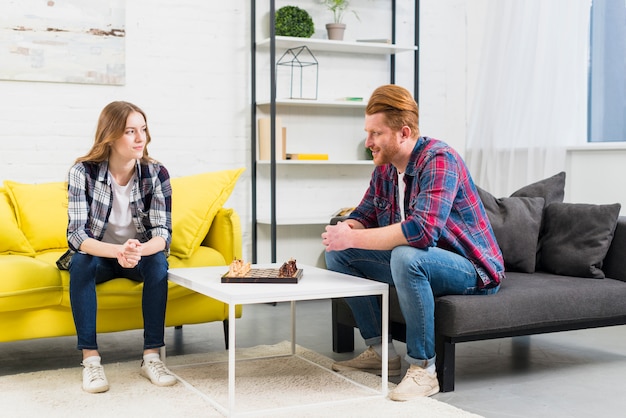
{"x": 157, "y": 373}
{"x": 417, "y": 383}
{"x": 94, "y": 380}
{"x": 369, "y": 361}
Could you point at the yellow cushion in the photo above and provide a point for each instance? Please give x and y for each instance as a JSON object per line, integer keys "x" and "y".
{"x": 41, "y": 212}
{"x": 195, "y": 201}
{"x": 12, "y": 240}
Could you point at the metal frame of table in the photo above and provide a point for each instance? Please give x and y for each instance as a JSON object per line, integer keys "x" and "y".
{"x": 315, "y": 284}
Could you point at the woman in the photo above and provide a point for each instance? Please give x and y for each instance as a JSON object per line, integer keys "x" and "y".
{"x": 120, "y": 225}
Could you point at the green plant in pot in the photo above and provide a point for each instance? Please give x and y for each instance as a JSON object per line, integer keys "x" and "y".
{"x": 293, "y": 21}
{"x": 337, "y": 27}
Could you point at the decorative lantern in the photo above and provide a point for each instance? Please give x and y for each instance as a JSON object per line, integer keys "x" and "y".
{"x": 302, "y": 74}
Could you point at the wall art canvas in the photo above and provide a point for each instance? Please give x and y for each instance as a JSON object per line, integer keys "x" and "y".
{"x": 67, "y": 41}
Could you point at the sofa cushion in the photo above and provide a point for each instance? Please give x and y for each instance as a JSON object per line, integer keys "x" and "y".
{"x": 552, "y": 189}
{"x": 41, "y": 212}
{"x": 12, "y": 240}
{"x": 34, "y": 284}
{"x": 516, "y": 222}
{"x": 195, "y": 201}
{"x": 577, "y": 237}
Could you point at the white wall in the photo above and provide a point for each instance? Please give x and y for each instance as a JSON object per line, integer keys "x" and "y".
{"x": 187, "y": 66}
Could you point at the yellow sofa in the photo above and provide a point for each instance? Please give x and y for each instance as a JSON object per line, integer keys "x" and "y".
{"x": 34, "y": 293}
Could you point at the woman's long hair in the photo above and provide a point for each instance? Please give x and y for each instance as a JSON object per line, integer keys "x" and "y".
{"x": 111, "y": 126}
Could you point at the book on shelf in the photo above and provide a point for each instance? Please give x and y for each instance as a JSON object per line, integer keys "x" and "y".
{"x": 302, "y": 156}
{"x": 351, "y": 99}
{"x": 265, "y": 141}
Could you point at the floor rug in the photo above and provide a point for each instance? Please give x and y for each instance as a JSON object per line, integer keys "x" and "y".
{"x": 275, "y": 385}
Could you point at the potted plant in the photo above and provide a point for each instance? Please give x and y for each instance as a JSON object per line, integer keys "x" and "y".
{"x": 293, "y": 21}
{"x": 337, "y": 27}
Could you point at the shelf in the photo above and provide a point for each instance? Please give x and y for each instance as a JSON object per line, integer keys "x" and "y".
{"x": 337, "y": 46}
{"x": 318, "y": 162}
{"x": 316, "y": 220}
{"x": 316, "y": 103}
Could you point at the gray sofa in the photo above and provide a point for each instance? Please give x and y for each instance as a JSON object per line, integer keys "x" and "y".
{"x": 572, "y": 277}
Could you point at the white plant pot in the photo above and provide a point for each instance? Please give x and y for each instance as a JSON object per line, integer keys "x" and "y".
{"x": 335, "y": 31}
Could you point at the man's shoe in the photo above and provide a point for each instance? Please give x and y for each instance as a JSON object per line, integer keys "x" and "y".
{"x": 157, "y": 373}
{"x": 94, "y": 380}
{"x": 417, "y": 383}
{"x": 369, "y": 361}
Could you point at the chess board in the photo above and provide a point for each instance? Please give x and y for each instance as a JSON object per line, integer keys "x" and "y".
{"x": 262, "y": 276}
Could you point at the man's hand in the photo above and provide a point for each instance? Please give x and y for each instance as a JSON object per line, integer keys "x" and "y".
{"x": 129, "y": 254}
{"x": 337, "y": 237}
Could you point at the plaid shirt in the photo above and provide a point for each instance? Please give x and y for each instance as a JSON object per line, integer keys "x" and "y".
{"x": 91, "y": 198}
{"x": 443, "y": 208}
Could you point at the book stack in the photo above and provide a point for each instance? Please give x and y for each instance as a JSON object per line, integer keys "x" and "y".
{"x": 302, "y": 156}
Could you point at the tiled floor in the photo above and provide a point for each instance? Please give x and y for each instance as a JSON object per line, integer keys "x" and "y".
{"x": 572, "y": 374}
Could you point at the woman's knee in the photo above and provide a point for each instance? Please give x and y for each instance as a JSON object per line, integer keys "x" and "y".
{"x": 155, "y": 266}
{"x": 82, "y": 265}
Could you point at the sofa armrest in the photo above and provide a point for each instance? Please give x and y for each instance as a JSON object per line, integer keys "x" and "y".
{"x": 225, "y": 234}
{"x": 614, "y": 265}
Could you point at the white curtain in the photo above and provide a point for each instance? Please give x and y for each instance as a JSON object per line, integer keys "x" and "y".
{"x": 531, "y": 94}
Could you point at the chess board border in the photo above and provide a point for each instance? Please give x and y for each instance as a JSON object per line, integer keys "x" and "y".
{"x": 263, "y": 276}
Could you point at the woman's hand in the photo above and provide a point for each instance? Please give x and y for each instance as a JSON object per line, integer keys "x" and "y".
{"x": 129, "y": 254}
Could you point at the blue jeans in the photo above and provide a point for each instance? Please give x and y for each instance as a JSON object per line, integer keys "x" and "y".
{"x": 86, "y": 271}
{"x": 419, "y": 276}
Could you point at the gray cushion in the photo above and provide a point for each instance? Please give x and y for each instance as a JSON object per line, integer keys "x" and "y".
{"x": 551, "y": 189}
{"x": 576, "y": 238}
{"x": 516, "y": 222}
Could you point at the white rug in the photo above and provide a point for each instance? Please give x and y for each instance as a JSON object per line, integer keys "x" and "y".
{"x": 289, "y": 383}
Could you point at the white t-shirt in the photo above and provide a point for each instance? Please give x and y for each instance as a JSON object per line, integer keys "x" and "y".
{"x": 120, "y": 227}
{"x": 401, "y": 193}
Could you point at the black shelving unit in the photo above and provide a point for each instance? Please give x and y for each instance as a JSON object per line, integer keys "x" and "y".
{"x": 272, "y": 112}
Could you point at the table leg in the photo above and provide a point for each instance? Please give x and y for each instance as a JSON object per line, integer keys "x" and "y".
{"x": 385, "y": 351}
{"x": 231, "y": 358}
{"x": 293, "y": 327}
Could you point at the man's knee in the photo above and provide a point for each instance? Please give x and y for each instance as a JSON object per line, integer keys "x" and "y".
{"x": 404, "y": 256}
{"x": 334, "y": 260}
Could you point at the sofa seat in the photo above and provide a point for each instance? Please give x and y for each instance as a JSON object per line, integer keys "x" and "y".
{"x": 531, "y": 301}
{"x": 39, "y": 285}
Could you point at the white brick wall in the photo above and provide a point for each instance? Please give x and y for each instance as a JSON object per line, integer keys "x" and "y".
{"x": 187, "y": 66}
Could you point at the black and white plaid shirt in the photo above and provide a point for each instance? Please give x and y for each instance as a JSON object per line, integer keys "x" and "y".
{"x": 90, "y": 199}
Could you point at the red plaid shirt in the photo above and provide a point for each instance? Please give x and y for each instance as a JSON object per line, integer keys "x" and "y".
{"x": 442, "y": 207}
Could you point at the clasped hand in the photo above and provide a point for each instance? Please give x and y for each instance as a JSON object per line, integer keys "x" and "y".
{"x": 129, "y": 254}
{"x": 336, "y": 237}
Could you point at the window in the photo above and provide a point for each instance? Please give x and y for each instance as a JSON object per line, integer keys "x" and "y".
{"x": 607, "y": 72}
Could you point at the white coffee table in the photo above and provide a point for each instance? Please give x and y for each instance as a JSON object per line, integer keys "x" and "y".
{"x": 315, "y": 283}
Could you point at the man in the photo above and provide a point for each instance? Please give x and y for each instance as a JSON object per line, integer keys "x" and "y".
{"x": 420, "y": 226}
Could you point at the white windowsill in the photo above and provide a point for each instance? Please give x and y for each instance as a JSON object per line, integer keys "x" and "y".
{"x": 598, "y": 146}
